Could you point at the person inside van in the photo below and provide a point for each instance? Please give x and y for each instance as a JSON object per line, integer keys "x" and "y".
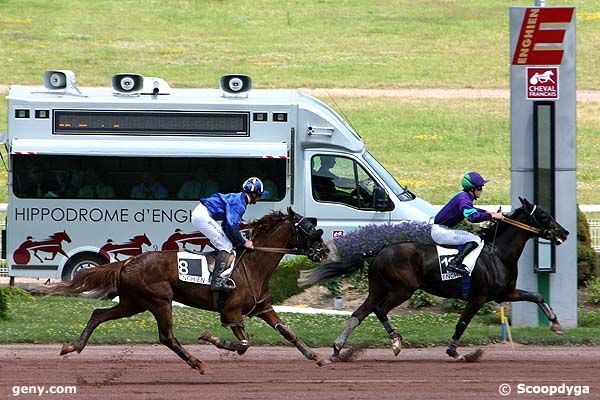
{"x": 327, "y": 186}
{"x": 230, "y": 209}
{"x": 198, "y": 186}
{"x": 37, "y": 184}
{"x": 454, "y": 212}
{"x": 149, "y": 188}
{"x": 94, "y": 188}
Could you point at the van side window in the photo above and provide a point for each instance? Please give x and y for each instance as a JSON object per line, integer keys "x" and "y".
{"x": 341, "y": 180}
{"x": 146, "y": 178}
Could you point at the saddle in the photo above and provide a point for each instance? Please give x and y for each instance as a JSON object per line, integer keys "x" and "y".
{"x": 446, "y": 253}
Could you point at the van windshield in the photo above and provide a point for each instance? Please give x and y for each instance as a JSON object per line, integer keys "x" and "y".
{"x": 400, "y": 191}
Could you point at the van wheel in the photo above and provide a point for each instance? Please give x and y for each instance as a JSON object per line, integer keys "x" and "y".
{"x": 80, "y": 262}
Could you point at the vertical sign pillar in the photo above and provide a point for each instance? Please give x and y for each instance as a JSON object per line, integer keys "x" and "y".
{"x": 543, "y": 156}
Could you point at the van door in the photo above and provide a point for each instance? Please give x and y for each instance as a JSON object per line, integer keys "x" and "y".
{"x": 340, "y": 193}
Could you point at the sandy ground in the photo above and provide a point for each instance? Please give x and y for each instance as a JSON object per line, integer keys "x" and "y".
{"x": 154, "y": 372}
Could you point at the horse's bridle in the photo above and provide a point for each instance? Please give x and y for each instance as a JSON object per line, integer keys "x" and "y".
{"x": 550, "y": 233}
{"x": 303, "y": 234}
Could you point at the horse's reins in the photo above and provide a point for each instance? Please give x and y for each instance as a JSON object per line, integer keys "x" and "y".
{"x": 278, "y": 250}
{"x": 245, "y": 269}
{"x": 521, "y": 225}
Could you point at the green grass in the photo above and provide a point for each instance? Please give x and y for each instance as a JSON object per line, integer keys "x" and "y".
{"x": 309, "y": 43}
{"x": 58, "y": 319}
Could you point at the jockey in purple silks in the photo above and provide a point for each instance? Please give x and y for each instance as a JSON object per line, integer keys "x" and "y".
{"x": 454, "y": 212}
{"x": 230, "y": 209}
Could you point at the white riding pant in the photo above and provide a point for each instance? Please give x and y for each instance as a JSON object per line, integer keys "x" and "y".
{"x": 204, "y": 223}
{"x": 443, "y": 235}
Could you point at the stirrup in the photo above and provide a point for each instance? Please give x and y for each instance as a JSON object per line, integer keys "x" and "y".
{"x": 222, "y": 285}
{"x": 458, "y": 269}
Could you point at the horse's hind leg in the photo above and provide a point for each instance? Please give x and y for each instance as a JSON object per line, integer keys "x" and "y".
{"x": 470, "y": 310}
{"x": 124, "y": 309}
{"x": 164, "y": 318}
{"x": 381, "y": 311}
{"x": 366, "y": 308}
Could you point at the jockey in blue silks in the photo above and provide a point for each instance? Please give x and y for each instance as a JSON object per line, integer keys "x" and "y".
{"x": 230, "y": 209}
{"x": 454, "y": 212}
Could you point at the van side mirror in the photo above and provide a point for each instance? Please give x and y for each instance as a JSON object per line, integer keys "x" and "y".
{"x": 381, "y": 200}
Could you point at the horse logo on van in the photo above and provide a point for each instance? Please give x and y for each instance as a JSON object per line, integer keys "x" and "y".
{"x": 179, "y": 241}
{"x": 51, "y": 245}
{"x": 131, "y": 248}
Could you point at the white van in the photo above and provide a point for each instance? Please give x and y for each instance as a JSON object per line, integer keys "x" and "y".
{"x": 101, "y": 174}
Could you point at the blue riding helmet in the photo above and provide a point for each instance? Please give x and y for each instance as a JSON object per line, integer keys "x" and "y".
{"x": 254, "y": 185}
{"x": 472, "y": 180}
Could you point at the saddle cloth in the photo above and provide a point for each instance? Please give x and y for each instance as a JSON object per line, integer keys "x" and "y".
{"x": 446, "y": 254}
{"x": 198, "y": 267}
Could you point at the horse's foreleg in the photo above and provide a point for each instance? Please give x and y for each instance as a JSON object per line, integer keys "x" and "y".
{"x": 470, "y": 310}
{"x": 238, "y": 330}
{"x": 164, "y": 318}
{"x": 100, "y": 315}
{"x": 523, "y": 295}
{"x": 271, "y": 318}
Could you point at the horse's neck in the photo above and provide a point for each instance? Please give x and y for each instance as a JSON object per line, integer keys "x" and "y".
{"x": 265, "y": 261}
{"x": 510, "y": 244}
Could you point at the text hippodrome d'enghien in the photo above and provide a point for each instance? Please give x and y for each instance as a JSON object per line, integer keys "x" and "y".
{"x": 531, "y": 35}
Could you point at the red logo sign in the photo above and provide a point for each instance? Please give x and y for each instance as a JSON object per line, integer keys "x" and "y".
{"x": 542, "y": 83}
{"x": 541, "y": 37}
{"x": 337, "y": 233}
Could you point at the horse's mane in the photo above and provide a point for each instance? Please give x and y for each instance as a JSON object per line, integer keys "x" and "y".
{"x": 267, "y": 223}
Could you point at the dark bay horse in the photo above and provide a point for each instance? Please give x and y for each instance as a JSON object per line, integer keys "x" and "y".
{"x": 398, "y": 270}
{"x": 150, "y": 282}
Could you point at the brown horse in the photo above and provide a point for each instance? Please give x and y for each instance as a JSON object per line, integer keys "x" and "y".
{"x": 398, "y": 270}
{"x": 150, "y": 282}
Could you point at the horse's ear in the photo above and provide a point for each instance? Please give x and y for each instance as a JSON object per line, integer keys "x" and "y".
{"x": 521, "y": 200}
{"x": 290, "y": 211}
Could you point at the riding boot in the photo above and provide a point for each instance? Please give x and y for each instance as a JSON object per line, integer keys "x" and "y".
{"x": 456, "y": 264}
{"x": 217, "y": 282}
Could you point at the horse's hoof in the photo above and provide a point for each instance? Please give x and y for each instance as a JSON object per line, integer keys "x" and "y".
{"x": 243, "y": 347}
{"x": 199, "y": 366}
{"x": 67, "y": 348}
{"x": 323, "y": 361}
{"x": 396, "y": 346}
{"x": 556, "y": 328}
{"x": 452, "y": 353}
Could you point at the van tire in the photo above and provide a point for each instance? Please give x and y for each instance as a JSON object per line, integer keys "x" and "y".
{"x": 79, "y": 262}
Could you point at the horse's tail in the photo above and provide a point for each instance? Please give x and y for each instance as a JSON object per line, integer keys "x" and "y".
{"x": 103, "y": 278}
{"x": 333, "y": 269}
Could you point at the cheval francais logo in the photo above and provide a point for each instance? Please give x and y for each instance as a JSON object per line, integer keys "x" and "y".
{"x": 541, "y": 37}
{"x": 542, "y": 83}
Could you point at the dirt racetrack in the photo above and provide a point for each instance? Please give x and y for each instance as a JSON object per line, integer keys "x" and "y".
{"x": 281, "y": 373}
